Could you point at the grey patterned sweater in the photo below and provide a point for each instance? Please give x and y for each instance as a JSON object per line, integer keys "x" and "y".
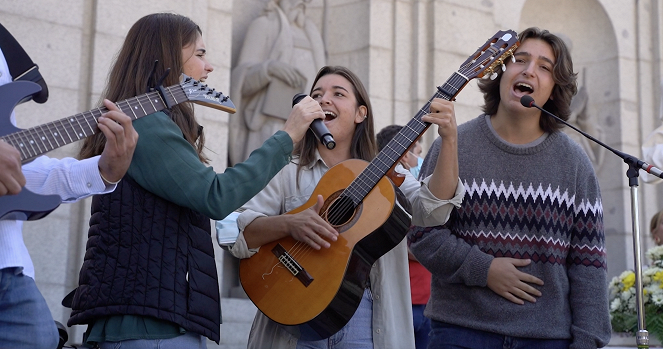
{"x": 539, "y": 201}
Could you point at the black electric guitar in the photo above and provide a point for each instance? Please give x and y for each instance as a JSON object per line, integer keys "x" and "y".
{"x": 320, "y": 290}
{"x": 38, "y": 140}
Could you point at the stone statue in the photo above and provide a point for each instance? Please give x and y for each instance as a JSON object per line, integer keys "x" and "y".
{"x": 584, "y": 121}
{"x": 281, "y": 54}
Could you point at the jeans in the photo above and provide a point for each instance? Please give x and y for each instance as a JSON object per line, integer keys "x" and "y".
{"x": 421, "y": 326}
{"x": 356, "y": 334}
{"x": 188, "y": 340}
{"x": 447, "y": 336}
{"x": 25, "y": 320}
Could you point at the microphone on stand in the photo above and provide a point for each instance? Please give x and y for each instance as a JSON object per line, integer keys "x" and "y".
{"x": 528, "y": 102}
{"x": 318, "y": 127}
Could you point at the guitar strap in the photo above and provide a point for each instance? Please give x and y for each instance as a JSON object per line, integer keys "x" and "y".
{"x": 20, "y": 65}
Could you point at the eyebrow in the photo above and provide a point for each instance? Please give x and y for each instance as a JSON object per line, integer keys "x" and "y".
{"x": 525, "y": 53}
{"x": 333, "y": 87}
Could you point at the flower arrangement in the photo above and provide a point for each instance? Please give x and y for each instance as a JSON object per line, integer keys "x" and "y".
{"x": 623, "y": 313}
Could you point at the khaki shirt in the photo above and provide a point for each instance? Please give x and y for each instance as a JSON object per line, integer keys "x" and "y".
{"x": 392, "y": 311}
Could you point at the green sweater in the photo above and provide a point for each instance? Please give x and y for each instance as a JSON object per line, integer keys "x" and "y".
{"x": 165, "y": 164}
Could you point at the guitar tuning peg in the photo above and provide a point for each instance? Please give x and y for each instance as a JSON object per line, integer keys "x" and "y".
{"x": 513, "y": 59}
{"x": 503, "y": 67}
{"x": 493, "y": 76}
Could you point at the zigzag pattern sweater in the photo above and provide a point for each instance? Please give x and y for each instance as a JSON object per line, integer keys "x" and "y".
{"x": 538, "y": 201}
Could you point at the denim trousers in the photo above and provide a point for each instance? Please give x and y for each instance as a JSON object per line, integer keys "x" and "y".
{"x": 188, "y": 340}
{"x": 25, "y": 320}
{"x": 356, "y": 334}
{"x": 447, "y": 336}
{"x": 421, "y": 326}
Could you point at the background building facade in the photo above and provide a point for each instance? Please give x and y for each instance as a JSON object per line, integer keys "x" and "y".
{"x": 401, "y": 49}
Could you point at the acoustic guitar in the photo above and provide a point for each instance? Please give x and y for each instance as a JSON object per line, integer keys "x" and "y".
{"x": 38, "y": 140}
{"x": 319, "y": 290}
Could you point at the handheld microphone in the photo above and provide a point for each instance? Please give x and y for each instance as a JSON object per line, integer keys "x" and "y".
{"x": 318, "y": 127}
{"x": 528, "y": 102}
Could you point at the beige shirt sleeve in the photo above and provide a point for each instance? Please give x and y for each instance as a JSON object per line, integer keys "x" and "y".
{"x": 431, "y": 211}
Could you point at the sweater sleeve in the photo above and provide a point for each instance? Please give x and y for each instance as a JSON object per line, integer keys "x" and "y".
{"x": 586, "y": 268}
{"x": 449, "y": 258}
{"x": 165, "y": 164}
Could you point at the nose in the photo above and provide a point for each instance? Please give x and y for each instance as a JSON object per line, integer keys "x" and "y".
{"x": 324, "y": 99}
{"x": 529, "y": 69}
{"x": 209, "y": 68}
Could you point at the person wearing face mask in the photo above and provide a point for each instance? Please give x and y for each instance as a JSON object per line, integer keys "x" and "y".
{"x": 149, "y": 276}
{"x": 414, "y": 159}
{"x": 419, "y": 277}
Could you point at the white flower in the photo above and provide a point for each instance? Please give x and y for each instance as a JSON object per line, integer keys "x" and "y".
{"x": 615, "y": 305}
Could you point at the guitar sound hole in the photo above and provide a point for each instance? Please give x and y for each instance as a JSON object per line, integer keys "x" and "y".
{"x": 341, "y": 211}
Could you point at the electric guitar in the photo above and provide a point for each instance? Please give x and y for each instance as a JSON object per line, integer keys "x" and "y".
{"x": 38, "y": 140}
{"x": 319, "y": 290}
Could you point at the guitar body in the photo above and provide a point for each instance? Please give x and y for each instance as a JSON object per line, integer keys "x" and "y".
{"x": 336, "y": 276}
{"x": 26, "y": 205}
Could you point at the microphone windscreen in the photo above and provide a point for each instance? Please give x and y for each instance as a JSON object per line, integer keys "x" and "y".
{"x": 527, "y": 101}
{"x": 297, "y": 98}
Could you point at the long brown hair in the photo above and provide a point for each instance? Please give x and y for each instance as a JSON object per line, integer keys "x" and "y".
{"x": 363, "y": 141}
{"x": 563, "y": 91}
{"x": 158, "y": 36}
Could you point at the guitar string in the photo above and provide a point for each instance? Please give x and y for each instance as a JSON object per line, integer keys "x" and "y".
{"x": 29, "y": 136}
{"x": 410, "y": 133}
{"x": 300, "y": 249}
{"x": 33, "y": 136}
{"x": 345, "y": 208}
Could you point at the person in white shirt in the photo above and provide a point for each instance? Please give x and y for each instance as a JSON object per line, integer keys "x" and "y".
{"x": 11, "y": 176}
{"x": 25, "y": 319}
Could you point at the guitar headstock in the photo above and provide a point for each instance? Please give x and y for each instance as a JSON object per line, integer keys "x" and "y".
{"x": 491, "y": 55}
{"x": 199, "y": 93}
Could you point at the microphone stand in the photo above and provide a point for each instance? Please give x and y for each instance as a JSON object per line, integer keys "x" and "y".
{"x": 634, "y": 165}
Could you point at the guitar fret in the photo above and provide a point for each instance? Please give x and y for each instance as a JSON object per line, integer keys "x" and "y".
{"x": 43, "y": 137}
{"x": 383, "y": 162}
{"x": 64, "y": 128}
{"x": 141, "y": 106}
{"x": 29, "y": 143}
{"x": 163, "y": 103}
{"x": 131, "y": 108}
{"x": 88, "y": 123}
{"x": 34, "y": 141}
{"x": 17, "y": 144}
{"x": 82, "y": 133}
{"x": 58, "y": 132}
{"x": 173, "y": 96}
{"x": 153, "y": 107}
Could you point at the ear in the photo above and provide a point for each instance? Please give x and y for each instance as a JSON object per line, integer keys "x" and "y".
{"x": 360, "y": 116}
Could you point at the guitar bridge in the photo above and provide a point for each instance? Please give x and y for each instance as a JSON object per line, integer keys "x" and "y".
{"x": 291, "y": 264}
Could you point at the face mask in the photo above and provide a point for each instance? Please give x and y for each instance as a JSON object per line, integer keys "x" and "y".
{"x": 415, "y": 170}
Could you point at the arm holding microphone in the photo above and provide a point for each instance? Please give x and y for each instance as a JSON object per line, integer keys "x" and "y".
{"x": 318, "y": 127}
{"x": 528, "y": 102}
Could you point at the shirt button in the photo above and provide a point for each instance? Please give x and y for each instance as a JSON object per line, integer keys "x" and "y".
{"x": 377, "y": 331}
{"x": 89, "y": 185}
{"x": 376, "y": 296}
